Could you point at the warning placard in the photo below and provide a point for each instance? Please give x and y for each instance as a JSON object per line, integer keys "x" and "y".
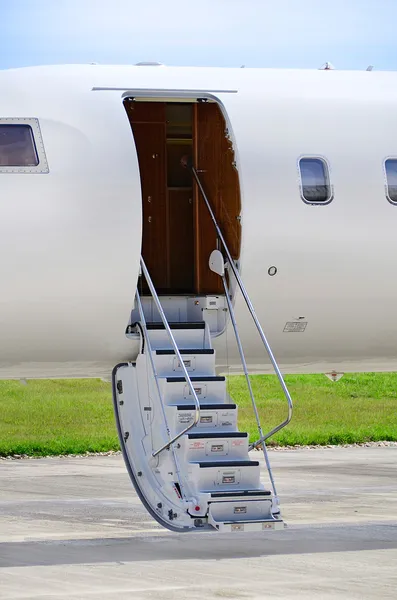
{"x": 295, "y": 326}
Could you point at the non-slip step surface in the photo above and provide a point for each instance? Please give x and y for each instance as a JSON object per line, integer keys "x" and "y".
{"x": 202, "y": 379}
{"x": 229, "y": 464}
{"x": 187, "y": 351}
{"x": 249, "y": 522}
{"x": 153, "y": 325}
{"x": 227, "y": 434}
{"x": 218, "y": 406}
{"x": 243, "y": 493}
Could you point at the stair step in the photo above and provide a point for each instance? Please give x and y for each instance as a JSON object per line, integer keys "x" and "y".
{"x": 229, "y": 464}
{"x": 224, "y": 475}
{"x": 247, "y": 526}
{"x": 190, "y": 351}
{"x": 176, "y": 391}
{"x": 199, "y": 362}
{"x": 194, "y": 379}
{"x": 213, "y": 417}
{"x": 241, "y": 511}
{"x": 214, "y": 446}
{"x": 154, "y": 325}
{"x": 219, "y": 435}
{"x": 186, "y": 335}
{"x": 204, "y": 406}
{"x": 242, "y": 493}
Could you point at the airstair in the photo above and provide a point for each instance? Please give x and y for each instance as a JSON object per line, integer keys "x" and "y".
{"x": 189, "y": 463}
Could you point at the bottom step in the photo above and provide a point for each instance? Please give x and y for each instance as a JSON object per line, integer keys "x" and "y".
{"x": 247, "y": 526}
{"x": 241, "y": 510}
{"x": 242, "y": 494}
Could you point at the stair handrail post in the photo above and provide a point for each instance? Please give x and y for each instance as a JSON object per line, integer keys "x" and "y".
{"x": 196, "y": 418}
{"x": 253, "y": 315}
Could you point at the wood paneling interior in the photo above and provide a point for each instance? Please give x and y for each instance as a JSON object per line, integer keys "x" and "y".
{"x": 151, "y": 140}
{"x": 178, "y": 234}
{"x": 214, "y": 160}
{"x": 167, "y": 236}
{"x": 145, "y": 112}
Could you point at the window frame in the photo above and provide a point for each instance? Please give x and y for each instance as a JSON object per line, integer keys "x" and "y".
{"x": 33, "y": 123}
{"x": 394, "y": 202}
{"x": 327, "y": 171}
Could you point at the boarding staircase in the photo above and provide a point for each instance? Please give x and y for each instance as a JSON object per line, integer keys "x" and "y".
{"x": 189, "y": 463}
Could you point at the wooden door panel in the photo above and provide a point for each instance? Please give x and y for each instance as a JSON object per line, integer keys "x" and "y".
{"x": 208, "y": 167}
{"x": 150, "y": 141}
{"x": 214, "y": 162}
{"x": 145, "y": 112}
{"x": 230, "y": 205}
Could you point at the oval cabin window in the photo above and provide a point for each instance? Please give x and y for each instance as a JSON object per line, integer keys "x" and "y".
{"x": 391, "y": 179}
{"x": 315, "y": 184}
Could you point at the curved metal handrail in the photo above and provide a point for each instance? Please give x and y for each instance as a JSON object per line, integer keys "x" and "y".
{"x": 253, "y": 315}
{"x": 178, "y": 354}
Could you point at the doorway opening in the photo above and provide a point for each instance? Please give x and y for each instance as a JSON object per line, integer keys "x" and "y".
{"x": 178, "y": 234}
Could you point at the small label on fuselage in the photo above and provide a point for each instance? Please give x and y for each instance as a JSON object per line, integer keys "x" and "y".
{"x": 295, "y": 327}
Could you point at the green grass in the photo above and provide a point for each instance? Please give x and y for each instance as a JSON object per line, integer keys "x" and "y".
{"x": 358, "y": 408}
{"x": 68, "y": 416}
{"x": 76, "y": 416}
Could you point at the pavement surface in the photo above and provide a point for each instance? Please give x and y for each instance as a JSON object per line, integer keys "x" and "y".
{"x": 73, "y": 528}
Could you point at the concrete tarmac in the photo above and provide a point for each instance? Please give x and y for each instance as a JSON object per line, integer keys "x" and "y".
{"x": 73, "y": 528}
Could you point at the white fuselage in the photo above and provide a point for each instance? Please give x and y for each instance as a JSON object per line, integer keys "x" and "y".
{"x": 70, "y": 239}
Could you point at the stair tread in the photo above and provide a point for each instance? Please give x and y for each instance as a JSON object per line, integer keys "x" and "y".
{"x": 186, "y": 351}
{"x": 223, "y": 434}
{"x": 204, "y": 406}
{"x": 154, "y": 325}
{"x": 228, "y": 463}
{"x": 197, "y": 378}
{"x": 242, "y": 521}
{"x": 241, "y": 493}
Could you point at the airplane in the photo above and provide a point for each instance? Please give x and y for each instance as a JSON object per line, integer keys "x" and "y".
{"x": 175, "y": 224}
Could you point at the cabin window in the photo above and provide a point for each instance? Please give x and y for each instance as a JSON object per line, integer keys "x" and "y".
{"x": 17, "y": 147}
{"x": 391, "y": 179}
{"x": 315, "y": 184}
{"x": 21, "y": 147}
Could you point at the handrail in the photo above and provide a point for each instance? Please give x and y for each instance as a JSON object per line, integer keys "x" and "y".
{"x": 178, "y": 354}
{"x": 246, "y": 374}
{"x": 145, "y": 338}
{"x": 253, "y": 315}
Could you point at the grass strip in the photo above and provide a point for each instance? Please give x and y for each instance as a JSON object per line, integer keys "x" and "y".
{"x": 53, "y": 417}
{"x": 358, "y": 408}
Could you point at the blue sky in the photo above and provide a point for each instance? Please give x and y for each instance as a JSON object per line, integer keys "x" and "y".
{"x": 352, "y": 34}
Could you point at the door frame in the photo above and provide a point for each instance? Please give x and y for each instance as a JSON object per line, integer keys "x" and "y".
{"x": 178, "y": 95}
